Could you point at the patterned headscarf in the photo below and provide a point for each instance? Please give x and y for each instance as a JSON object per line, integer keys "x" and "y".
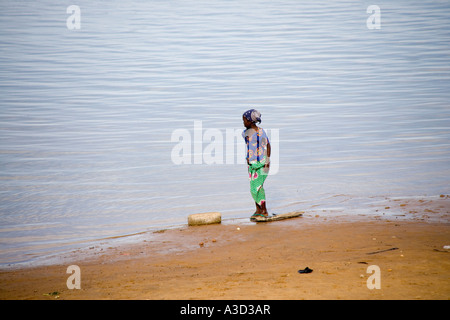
{"x": 253, "y": 115}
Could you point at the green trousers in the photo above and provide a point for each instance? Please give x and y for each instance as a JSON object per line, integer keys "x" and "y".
{"x": 257, "y": 176}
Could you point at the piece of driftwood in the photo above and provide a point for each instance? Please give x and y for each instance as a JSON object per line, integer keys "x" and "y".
{"x": 375, "y": 252}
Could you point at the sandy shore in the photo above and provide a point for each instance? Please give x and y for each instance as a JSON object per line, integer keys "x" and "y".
{"x": 260, "y": 261}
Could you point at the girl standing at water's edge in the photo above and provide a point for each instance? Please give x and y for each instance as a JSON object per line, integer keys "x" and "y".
{"x": 258, "y": 159}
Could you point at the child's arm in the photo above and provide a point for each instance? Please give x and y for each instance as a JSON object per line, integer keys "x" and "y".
{"x": 267, "y": 165}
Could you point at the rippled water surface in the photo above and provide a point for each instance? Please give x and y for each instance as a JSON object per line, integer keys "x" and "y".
{"x": 87, "y": 117}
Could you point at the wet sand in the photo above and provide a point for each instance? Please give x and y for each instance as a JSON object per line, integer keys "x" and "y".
{"x": 260, "y": 261}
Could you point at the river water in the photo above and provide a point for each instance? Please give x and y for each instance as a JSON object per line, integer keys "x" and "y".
{"x": 90, "y": 117}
